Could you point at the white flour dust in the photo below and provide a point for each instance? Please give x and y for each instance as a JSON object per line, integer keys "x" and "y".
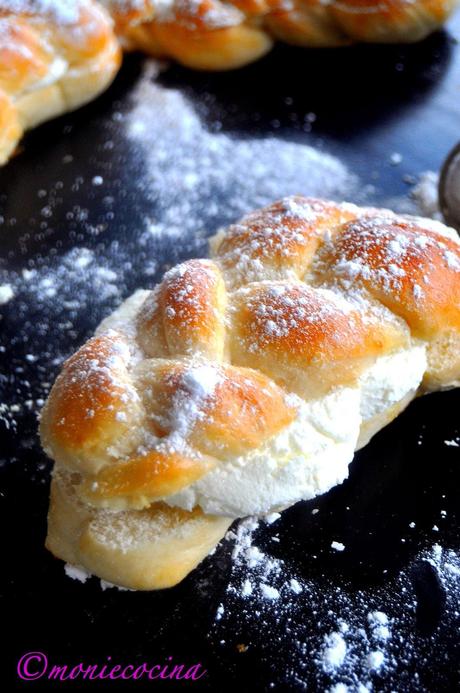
{"x": 363, "y": 641}
{"x": 57, "y": 295}
{"x": 422, "y": 196}
{"x": 425, "y": 195}
{"x": 200, "y": 176}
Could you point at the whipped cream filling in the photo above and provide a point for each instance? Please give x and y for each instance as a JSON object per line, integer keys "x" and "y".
{"x": 312, "y": 454}
{"x": 390, "y": 379}
{"x": 306, "y": 459}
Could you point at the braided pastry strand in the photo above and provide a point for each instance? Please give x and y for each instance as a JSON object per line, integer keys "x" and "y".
{"x": 244, "y": 383}
{"x": 224, "y": 34}
{"x": 54, "y": 57}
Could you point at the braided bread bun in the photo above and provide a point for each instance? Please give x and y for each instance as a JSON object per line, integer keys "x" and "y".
{"x": 220, "y": 35}
{"x": 55, "y": 55}
{"x": 242, "y": 384}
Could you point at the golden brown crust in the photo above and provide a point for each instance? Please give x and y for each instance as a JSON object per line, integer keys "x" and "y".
{"x": 390, "y": 21}
{"x": 224, "y": 48}
{"x": 92, "y": 406}
{"x": 52, "y": 60}
{"x": 141, "y": 480}
{"x": 309, "y": 339}
{"x": 10, "y": 128}
{"x": 278, "y": 241}
{"x": 100, "y": 414}
{"x": 24, "y": 57}
{"x": 244, "y": 409}
{"x": 184, "y": 316}
{"x": 306, "y": 23}
{"x": 411, "y": 270}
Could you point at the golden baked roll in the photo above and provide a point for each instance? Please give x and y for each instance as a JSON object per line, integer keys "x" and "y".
{"x": 221, "y": 35}
{"x": 242, "y": 384}
{"x": 54, "y": 57}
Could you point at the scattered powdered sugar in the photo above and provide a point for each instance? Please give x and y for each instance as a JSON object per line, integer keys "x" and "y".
{"x": 375, "y": 659}
{"x": 51, "y": 297}
{"x": 78, "y": 278}
{"x": 356, "y": 645}
{"x": 337, "y": 546}
{"x": 193, "y": 391}
{"x": 379, "y": 624}
{"x": 278, "y": 311}
{"x": 6, "y": 293}
{"x": 425, "y": 195}
{"x": 201, "y": 381}
{"x": 295, "y": 586}
{"x": 269, "y": 592}
{"x": 334, "y": 651}
{"x": 395, "y": 159}
{"x": 214, "y": 166}
{"x": 197, "y": 385}
{"x": 262, "y": 569}
{"x": 76, "y": 572}
{"x": 105, "y": 585}
{"x": 62, "y": 11}
{"x": 270, "y": 518}
{"x": 392, "y": 252}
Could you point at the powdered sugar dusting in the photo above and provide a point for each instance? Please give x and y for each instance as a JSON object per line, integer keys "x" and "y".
{"x": 57, "y": 294}
{"x": 76, "y": 572}
{"x": 63, "y": 11}
{"x": 6, "y": 293}
{"x": 197, "y": 385}
{"x": 334, "y": 651}
{"x": 390, "y": 251}
{"x": 211, "y": 166}
{"x": 358, "y": 644}
{"x": 282, "y": 310}
{"x": 425, "y": 195}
